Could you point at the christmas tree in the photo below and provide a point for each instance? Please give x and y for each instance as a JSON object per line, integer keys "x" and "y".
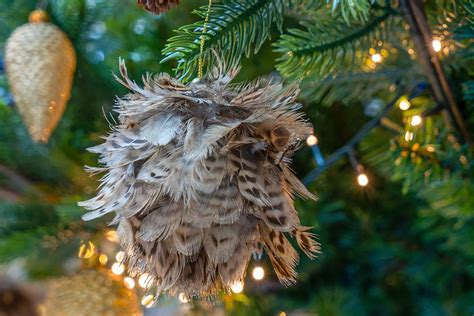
{"x": 387, "y": 85}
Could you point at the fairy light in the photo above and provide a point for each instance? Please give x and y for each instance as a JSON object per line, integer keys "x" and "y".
{"x": 376, "y": 58}
{"x": 183, "y": 298}
{"x": 437, "y": 46}
{"x": 103, "y": 259}
{"x": 86, "y": 251}
{"x": 237, "y": 287}
{"x": 404, "y": 104}
{"x": 415, "y": 120}
{"x": 362, "y": 179}
{"x": 258, "y": 273}
{"x": 120, "y": 256}
{"x": 111, "y": 235}
{"x": 311, "y": 140}
{"x": 145, "y": 280}
{"x": 148, "y": 301}
{"x": 118, "y": 268}
{"x": 129, "y": 282}
{"x": 409, "y": 136}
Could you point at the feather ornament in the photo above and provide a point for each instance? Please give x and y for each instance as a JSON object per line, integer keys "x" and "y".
{"x": 198, "y": 178}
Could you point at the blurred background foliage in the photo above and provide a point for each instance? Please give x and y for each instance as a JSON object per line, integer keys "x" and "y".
{"x": 403, "y": 245}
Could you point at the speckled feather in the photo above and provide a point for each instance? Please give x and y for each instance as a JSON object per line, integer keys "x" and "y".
{"x": 197, "y": 176}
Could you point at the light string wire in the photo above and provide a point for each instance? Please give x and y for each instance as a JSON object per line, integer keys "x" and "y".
{"x": 203, "y": 38}
{"x": 348, "y": 148}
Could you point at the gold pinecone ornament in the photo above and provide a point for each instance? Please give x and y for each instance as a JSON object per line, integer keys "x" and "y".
{"x": 91, "y": 292}
{"x": 40, "y": 63}
{"x": 158, "y": 6}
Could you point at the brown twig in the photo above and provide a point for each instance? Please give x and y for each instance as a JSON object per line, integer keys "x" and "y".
{"x": 422, "y": 38}
{"x": 17, "y": 181}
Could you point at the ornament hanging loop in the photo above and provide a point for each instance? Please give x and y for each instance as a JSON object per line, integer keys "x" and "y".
{"x": 41, "y": 4}
{"x": 202, "y": 40}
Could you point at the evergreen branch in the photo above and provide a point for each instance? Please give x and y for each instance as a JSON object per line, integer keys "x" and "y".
{"x": 233, "y": 29}
{"x": 323, "y": 49}
{"x": 356, "y": 87}
{"x": 355, "y": 9}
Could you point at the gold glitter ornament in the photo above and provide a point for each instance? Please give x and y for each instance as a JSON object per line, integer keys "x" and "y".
{"x": 40, "y": 62}
{"x": 91, "y": 292}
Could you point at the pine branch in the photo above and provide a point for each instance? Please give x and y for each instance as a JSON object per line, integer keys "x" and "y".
{"x": 352, "y": 9}
{"x": 326, "y": 48}
{"x": 235, "y": 28}
{"x": 356, "y": 87}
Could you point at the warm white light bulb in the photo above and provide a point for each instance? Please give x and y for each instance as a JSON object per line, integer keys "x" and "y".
{"x": 376, "y": 58}
{"x": 408, "y": 136}
{"x": 118, "y": 268}
{"x": 119, "y": 256}
{"x": 182, "y": 298}
{"x": 103, "y": 259}
{"x": 415, "y": 120}
{"x": 148, "y": 301}
{"x": 311, "y": 140}
{"x": 129, "y": 282}
{"x": 362, "y": 179}
{"x": 237, "y": 287}
{"x": 258, "y": 273}
{"x": 111, "y": 235}
{"x": 145, "y": 280}
{"x": 436, "y": 45}
{"x": 404, "y": 105}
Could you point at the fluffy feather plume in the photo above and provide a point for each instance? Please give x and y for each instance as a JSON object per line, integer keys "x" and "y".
{"x": 198, "y": 178}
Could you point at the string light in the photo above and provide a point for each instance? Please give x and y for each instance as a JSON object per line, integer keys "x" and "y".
{"x": 145, "y": 280}
{"x": 408, "y": 136}
{"x": 86, "y": 251}
{"x": 103, "y": 259}
{"x": 415, "y": 120}
{"x": 120, "y": 256}
{"x": 111, "y": 235}
{"x": 148, "y": 301}
{"x": 311, "y": 140}
{"x": 436, "y": 45}
{"x": 376, "y": 58}
{"x": 362, "y": 179}
{"x": 237, "y": 287}
{"x": 404, "y": 104}
{"x": 182, "y": 298}
{"x": 258, "y": 273}
{"x": 129, "y": 283}
{"x": 118, "y": 268}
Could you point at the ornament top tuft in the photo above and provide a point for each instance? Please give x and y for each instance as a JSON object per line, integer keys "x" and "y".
{"x": 38, "y": 16}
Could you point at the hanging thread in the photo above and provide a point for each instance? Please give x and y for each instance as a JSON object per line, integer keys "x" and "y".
{"x": 203, "y": 38}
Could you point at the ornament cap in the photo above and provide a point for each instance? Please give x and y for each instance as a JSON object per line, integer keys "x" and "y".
{"x": 38, "y": 16}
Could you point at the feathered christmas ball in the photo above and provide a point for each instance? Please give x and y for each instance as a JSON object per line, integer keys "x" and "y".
{"x": 198, "y": 178}
{"x": 158, "y": 6}
{"x": 90, "y": 292}
{"x": 40, "y": 63}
